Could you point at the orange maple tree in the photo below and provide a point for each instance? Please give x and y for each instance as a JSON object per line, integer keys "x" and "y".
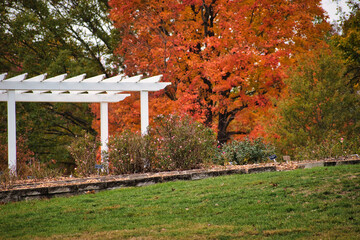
{"x": 225, "y": 58}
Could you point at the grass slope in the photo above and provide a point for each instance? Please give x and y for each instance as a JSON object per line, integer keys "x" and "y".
{"x": 319, "y": 203}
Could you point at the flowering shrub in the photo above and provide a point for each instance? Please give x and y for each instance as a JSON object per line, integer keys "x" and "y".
{"x": 244, "y": 152}
{"x": 7, "y": 179}
{"x": 173, "y": 144}
{"x": 332, "y": 146}
{"x": 130, "y": 153}
{"x": 24, "y": 156}
{"x": 31, "y": 170}
{"x": 181, "y": 143}
{"x": 37, "y": 170}
{"x": 83, "y": 150}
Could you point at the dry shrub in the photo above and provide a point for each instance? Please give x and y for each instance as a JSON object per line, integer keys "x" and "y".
{"x": 84, "y": 150}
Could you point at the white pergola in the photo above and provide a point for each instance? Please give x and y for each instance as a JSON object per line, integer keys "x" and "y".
{"x": 76, "y": 89}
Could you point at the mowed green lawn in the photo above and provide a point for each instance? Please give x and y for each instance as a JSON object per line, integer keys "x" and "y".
{"x": 318, "y": 203}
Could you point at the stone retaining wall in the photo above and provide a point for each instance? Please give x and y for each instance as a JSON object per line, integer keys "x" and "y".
{"x": 78, "y": 186}
{"x": 328, "y": 163}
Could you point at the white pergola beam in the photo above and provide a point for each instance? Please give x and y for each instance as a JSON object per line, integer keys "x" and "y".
{"x": 82, "y": 86}
{"x": 136, "y": 78}
{"x": 78, "y": 83}
{"x": 78, "y": 78}
{"x": 95, "y": 92}
{"x": 56, "y": 79}
{"x": 95, "y": 79}
{"x": 114, "y": 79}
{"x": 3, "y": 76}
{"x": 38, "y": 78}
{"x": 18, "y": 78}
{"x": 154, "y": 79}
{"x": 75, "y": 92}
{"x": 41, "y": 97}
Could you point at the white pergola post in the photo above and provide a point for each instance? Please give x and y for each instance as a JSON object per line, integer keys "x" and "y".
{"x": 144, "y": 108}
{"x": 104, "y": 128}
{"x": 11, "y": 109}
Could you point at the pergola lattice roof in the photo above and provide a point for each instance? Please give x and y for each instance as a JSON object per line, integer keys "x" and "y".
{"x": 76, "y": 89}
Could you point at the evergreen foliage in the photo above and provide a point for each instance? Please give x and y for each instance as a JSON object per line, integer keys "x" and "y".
{"x": 321, "y": 105}
{"x": 245, "y": 152}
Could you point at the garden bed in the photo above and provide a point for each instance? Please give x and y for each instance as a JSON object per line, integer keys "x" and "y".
{"x": 48, "y": 188}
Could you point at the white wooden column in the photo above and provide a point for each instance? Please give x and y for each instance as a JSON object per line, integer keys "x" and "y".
{"x": 11, "y": 111}
{"x": 144, "y": 108}
{"x": 104, "y": 127}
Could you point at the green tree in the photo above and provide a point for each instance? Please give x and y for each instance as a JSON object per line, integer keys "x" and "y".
{"x": 349, "y": 43}
{"x": 320, "y": 106}
{"x": 55, "y": 37}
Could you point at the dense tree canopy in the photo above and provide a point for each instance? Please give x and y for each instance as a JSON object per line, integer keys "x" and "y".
{"x": 321, "y": 110}
{"x": 349, "y": 43}
{"x": 225, "y": 59}
{"x": 320, "y": 105}
{"x": 55, "y": 37}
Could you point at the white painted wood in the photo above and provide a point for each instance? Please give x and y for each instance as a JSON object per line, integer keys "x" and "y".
{"x": 104, "y": 128}
{"x": 113, "y": 92}
{"x": 151, "y": 79}
{"x": 21, "y": 92}
{"x": 47, "y": 97}
{"x": 144, "y": 110}
{"x": 94, "y": 92}
{"x": 56, "y": 79}
{"x": 15, "y": 79}
{"x": 11, "y": 111}
{"x": 59, "y": 92}
{"x": 114, "y": 79}
{"x": 39, "y": 92}
{"x": 85, "y": 86}
{"x": 78, "y": 78}
{"x": 132, "y": 79}
{"x": 76, "y": 92}
{"x": 2, "y": 76}
{"x": 38, "y": 78}
{"x": 75, "y": 89}
{"x": 95, "y": 79}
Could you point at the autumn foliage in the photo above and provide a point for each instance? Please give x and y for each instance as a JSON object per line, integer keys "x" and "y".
{"x": 24, "y": 155}
{"x": 225, "y": 58}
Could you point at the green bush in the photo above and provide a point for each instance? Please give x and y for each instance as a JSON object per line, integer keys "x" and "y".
{"x": 84, "y": 150}
{"x": 182, "y": 143}
{"x": 245, "y": 152}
